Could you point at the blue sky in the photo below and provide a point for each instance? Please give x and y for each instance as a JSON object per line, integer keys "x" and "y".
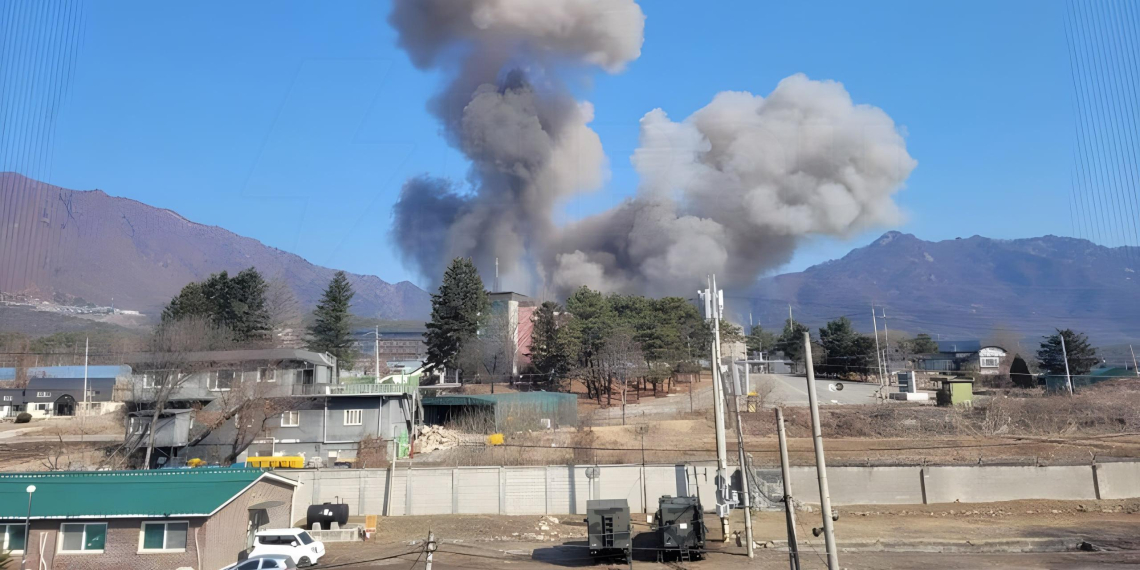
{"x": 297, "y": 125}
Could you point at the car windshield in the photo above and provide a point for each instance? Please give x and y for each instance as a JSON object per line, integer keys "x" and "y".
{"x": 305, "y": 538}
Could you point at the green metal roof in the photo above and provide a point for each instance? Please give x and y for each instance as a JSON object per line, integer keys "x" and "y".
{"x": 111, "y": 494}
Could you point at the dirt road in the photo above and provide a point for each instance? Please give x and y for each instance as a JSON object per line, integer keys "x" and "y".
{"x": 923, "y": 536}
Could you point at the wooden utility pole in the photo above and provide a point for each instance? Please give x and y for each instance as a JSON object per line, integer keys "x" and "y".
{"x": 789, "y": 504}
{"x": 820, "y": 463}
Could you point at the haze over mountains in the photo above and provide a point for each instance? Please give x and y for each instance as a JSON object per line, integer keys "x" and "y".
{"x": 91, "y": 245}
{"x": 98, "y": 247}
{"x": 969, "y": 287}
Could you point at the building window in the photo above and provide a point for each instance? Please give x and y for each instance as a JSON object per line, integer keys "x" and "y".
{"x": 990, "y": 361}
{"x": 266, "y": 375}
{"x": 7, "y": 398}
{"x": 221, "y": 380}
{"x": 41, "y": 407}
{"x": 43, "y": 394}
{"x": 83, "y": 537}
{"x": 12, "y": 537}
{"x": 352, "y": 417}
{"x": 163, "y": 537}
{"x": 158, "y": 378}
{"x": 291, "y": 419}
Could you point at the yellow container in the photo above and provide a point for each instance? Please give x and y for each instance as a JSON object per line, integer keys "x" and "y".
{"x": 287, "y": 462}
{"x": 495, "y": 439}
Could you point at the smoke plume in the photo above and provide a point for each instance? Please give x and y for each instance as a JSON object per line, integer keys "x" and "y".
{"x": 729, "y": 190}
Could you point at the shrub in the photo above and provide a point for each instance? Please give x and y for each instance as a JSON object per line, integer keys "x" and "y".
{"x": 23, "y": 418}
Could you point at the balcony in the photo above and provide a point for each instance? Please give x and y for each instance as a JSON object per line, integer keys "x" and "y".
{"x": 353, "y": 389}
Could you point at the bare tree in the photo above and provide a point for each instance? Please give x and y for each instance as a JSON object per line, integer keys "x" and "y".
{"x": 284, "y": 312}
{"x": 169, "y": 365}
{"x": 623, "y": 362}
{"x": 242, "y": 414}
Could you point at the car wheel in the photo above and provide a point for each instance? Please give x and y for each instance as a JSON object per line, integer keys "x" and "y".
{"x": 304, "y": 561}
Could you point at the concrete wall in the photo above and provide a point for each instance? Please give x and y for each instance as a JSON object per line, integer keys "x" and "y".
{"x": 981, "y": 484}
{"x": 1118, "y": 480}
{"x": 564, "y": 489}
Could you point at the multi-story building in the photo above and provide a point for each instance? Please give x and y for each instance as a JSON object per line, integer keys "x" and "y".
{"x": 273, "y": 401}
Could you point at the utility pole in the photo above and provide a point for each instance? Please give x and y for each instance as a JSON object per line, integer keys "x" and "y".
{"x": 377, "y": 372}
{"x": 712, "y": 301}
{"x": 886, "y": 345}
{"x": 878, "y": 354}
{"x": 1134, "y": 367}
{"x": 791, "y": 321}
{"x": 789, "y": 504}
{"x": 86, "y": 405}
{"x": 429, "y": 546}
{"x": 1065, "y": 353}
{"x": 745, "y": 472}
{"x": 820, "y": 463}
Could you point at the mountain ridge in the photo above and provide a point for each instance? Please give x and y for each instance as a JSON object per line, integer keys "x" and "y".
{"x": 975, "y": 286}
{"x": 89, "y": 244}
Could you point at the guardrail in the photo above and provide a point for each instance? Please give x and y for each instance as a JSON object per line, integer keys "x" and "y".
{"x": 352, "y": 389}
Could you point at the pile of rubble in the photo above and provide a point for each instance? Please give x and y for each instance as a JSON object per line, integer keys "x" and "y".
{"x": 432, "y": 438}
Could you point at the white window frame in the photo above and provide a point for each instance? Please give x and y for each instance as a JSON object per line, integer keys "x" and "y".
{"x": 59, "y": 543}
{"x": 43, "y": 394}
{"x": 294, "y": 414}
{"x": 994, "y": 360}
{"x": 272, "y": 376}
{"x": 212, "y": 380}
{"x": 169, "y": 375}
{"x": 359, "y": 419}
{"x": 7, "y": 398}
{"x": 4, "y": 537}
{"x": 163, "y": 550}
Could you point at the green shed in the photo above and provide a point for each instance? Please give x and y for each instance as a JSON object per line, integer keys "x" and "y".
{"x": 515, "y": 411}
{"x": 955, "y": 391}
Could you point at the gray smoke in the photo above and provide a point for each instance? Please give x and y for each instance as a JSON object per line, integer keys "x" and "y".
{"x": 504, "y": 107}
{"x": 730, "y": 190}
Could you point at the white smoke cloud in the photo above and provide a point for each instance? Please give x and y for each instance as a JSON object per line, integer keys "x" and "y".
{"x": 731, "y": 189}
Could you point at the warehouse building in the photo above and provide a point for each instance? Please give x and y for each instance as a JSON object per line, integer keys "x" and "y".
{"x": 191, "y": 518}
{"x": 502, "y": 412}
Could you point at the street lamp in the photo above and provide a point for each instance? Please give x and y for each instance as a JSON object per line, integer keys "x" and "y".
{"x": 27, "y": 522}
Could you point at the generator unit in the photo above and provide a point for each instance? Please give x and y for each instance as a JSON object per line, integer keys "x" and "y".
{"x": 607, "y": 523}
{"x": 680, "y": 528}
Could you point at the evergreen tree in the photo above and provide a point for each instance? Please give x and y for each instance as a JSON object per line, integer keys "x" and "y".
{"x": 791, "y": 341}
{"x": 236, "y": 304}
{"x": 1019, "y": 373}
{"x": 331, "y": 330}
{"x": 1082, "y": 355}
{"x": 548, "y": 348}
{"x": 760, "y": 340}
{"x": 838, "y": 339}
{"x": 923, "y": 344}
{"x": 456, "y": 311}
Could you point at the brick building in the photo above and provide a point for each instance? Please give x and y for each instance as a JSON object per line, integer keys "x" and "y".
{"x": 146, "y": 520}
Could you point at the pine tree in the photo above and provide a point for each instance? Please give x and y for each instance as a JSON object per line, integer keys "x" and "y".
{"x": 1082, "y": 355}
{"x": 547, "y": 350}
{"x": 791, "y": 341}
{"x": 456, "y": 311}
{"x": 332, "y": 332}
{"x": 236, "y": 304}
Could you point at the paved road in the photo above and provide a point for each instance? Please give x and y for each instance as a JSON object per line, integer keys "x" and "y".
{"x": 786, "y": 390}
{"x": 792, "y": 390}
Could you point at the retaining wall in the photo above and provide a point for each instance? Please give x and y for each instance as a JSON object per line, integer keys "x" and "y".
{"x": 564, "y": 489}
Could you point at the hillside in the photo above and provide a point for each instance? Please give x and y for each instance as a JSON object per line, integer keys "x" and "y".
{"x": 102, "y": 248}
{"x": 967, "y": 287}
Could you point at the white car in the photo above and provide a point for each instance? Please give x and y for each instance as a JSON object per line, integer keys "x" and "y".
{"x": 292, "y": 542}
{"x": 264, "y": 562}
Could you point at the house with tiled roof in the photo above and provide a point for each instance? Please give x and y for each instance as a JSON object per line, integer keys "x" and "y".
{"x": 166, "y": 518}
